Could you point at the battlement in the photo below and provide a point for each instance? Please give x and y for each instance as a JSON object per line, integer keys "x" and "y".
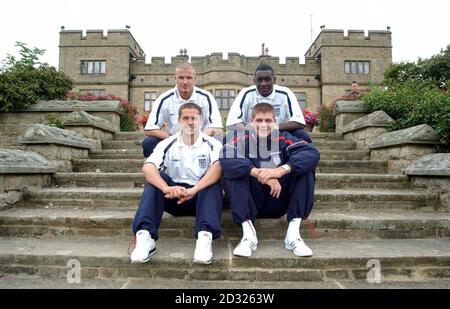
{"x": 216, "y": 62}
{"x": 354, "y": 38}
{"x": 97, "y": 38}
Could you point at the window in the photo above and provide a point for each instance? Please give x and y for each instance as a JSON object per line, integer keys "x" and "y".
{"x": 301, "y": 98}
{"x": 224, "y": 97}
{"x": 96, "y": 92}
{"x": 93, "y": 66}
{"x": 149, "y": 98}
{"x": 357, "y": 67}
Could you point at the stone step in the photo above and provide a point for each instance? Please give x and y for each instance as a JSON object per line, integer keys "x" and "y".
{"x": 323, "y": 181}
{"x": 107, "y": 257}
{"x": 35, "y": 282}
{"x": 137, "y": 154}
{"x": 321, "y": 145}
{"x": 326, "y": 224}
{"x": 324, "y": 198}
{"x": 126, "y": 136}
{"x": 135, "y": 166}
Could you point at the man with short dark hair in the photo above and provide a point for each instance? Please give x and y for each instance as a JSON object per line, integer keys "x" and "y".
{"x": 183, "y": 174}
{"x": 269, "y": 174}
{"x": 288, "y": 114}
{"x": 165, "y": 109}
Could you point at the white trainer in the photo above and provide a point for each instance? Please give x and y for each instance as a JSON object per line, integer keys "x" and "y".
{"x": 145, "y": 247}
{"x": 203, "y": 248}
{"x": 245, "y": 247}
{"x": 298, "y": 246}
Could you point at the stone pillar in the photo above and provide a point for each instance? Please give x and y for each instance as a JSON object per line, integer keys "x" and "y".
{"x": 57, "y": 145}
{"x": 433, "y": 172}
{"x": 401, "y": 148}
{"x": 363, "y": 130}
{"x": 347, "y": 111}
{"x": 19, "y": 170}
{"x": 94, "y": 128}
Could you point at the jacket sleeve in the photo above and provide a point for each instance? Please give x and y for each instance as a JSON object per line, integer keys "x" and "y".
{"x": 234, "y": 163}
{"x": 302, "y": 157}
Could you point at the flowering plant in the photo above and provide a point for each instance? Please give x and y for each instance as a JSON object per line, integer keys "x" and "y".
{"x": 142, "y": 120}
{"x": 310, "y": 117}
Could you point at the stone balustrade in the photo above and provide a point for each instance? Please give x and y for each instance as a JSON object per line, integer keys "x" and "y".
{"x": 14, "y": 124}
{"x": 401, "y": 148}
{"x": 19, "y": 170}
{"x": 433, "y": 172}
{"x": 57, "y": 145}
{"x": 364, "y": 129}
{"x": 347, "y": 111}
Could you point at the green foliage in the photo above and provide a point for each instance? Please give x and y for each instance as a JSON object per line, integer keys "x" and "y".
{"x": 435, "y": 70}
{"x": 413, "y": 103}
{"x": 25, "y": 81}
{"x": 54, "y": 121}
{"x": 327, "y": 122}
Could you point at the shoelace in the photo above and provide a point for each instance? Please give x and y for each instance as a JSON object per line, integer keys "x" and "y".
{"x": 310, "y": 228}
{"x": 132, "y": 244}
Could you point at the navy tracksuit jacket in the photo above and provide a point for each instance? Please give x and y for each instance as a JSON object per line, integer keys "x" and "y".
{"x": 249, "y": 199}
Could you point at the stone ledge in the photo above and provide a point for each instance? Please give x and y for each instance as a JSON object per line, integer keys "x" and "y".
{"x": 421, "y": 134}
{"x": 70, "y": 106}
{"x": 21, "y": 162}
{"x": 350, "y": 107}
{"x": 81, "y": 118}
{"x": 437, "y": 164}
{"x": 376, "y": 119}
{"x": 42, "y": 134}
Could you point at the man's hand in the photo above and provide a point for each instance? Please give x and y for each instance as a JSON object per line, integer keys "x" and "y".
{"x": 275, "y": 187}
{"x": 174, "y": 192}
{"x": 188, "y": 194}
{"x": 269, "y": 173}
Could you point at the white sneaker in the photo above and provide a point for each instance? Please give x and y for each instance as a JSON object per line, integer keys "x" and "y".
{"x": 203, "y": 248}
{"x": 298, "y": 246}
{"x": 145, "y": 247}
{"x": 245, "y": 247}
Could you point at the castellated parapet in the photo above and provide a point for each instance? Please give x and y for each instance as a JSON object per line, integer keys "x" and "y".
{"x": 96, "y": 38}
{"x": 355, "y": 38}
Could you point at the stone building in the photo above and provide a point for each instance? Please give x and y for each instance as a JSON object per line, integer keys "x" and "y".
{"x": 116, "y": 64}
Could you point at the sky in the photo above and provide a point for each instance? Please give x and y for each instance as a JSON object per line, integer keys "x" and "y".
{"x": 419, "y": 28}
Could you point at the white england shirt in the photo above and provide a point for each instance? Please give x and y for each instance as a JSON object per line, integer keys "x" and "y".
{"x": 184, "y": 163}
{"x": 165, "y": 109}
{"x": 282, "y": 99}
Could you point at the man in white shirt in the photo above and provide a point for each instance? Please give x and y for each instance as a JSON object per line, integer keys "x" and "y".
{"x": 288, "y": 114}
{"x": 165, "y": 109}
{"x": 183, "y": 175}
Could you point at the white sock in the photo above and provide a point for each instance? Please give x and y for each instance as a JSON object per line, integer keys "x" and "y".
{"x": 293, "y": 231}
{"x": 248, "y": 230}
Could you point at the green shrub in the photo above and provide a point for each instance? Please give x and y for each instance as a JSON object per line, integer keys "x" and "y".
{"x": 54, "y": 121}
{"x": 23, "y": 82}
{"x": 414, "y": 103}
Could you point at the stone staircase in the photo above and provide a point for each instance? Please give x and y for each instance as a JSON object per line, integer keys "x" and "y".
{"x": 361, "y": 213}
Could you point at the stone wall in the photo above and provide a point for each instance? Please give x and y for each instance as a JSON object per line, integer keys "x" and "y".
{"x": 433, "y": 172}
{"x": 13, "y": 124}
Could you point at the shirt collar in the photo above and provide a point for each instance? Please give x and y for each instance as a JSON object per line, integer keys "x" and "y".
{"x": 181, "y": 99}
{"x": 270, "y": 97}
{"x": 197, "y": 143}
